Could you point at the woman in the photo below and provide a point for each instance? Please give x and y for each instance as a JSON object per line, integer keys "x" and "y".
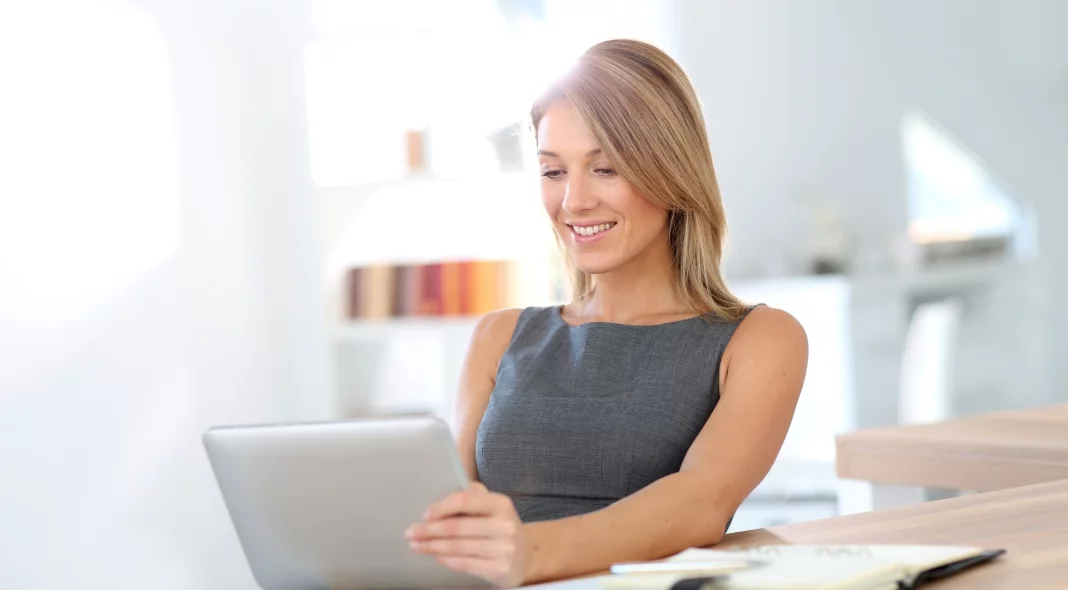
{"x": 632, "y": 422}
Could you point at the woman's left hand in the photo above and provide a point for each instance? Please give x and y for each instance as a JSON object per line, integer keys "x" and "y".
{"x": 477, "y": 532}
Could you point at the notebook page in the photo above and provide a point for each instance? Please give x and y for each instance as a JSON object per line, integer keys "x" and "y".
{"x": 914, "y": 558}
{"x": 808, "y": 574}
{"x": 783, "y": 574}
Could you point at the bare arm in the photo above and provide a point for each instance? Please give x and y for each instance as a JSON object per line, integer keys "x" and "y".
{"x": 490, "y": 339}
{"x": 761, "y": 376}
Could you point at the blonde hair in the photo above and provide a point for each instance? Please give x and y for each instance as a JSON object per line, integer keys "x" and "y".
{"x": 645, "y": 115}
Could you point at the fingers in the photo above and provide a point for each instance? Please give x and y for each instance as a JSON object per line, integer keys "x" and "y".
{"x": 476, "y": 501}
{"x": 467, "y": 527}
{"x": 491, "y": 569}
{"x": 473, "y": 531}
{"x": 478, "y": 486}
{"x": 466, "y": 547}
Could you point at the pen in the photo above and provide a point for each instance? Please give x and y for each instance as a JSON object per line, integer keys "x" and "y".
{"x": 697, "y": 583}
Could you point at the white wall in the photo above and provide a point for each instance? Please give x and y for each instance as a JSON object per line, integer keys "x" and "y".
{"x": 806, "y": 98}
{"x": 792, "y": 115}
{"x": 135, "y": 312}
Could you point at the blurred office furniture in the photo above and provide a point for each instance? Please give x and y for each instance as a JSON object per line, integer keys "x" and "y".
{"x": 925, "y": 391}
{"x": 978, "y": 362}
{"x": 983, "y": 452}
{"x": 926, "y": 388}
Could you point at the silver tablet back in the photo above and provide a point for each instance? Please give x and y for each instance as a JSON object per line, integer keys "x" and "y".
{"x": 325, "y": 505}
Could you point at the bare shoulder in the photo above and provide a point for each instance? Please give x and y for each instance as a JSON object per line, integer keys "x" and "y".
{"x": 493, "y": 332}
{"x": 490, "y": 338}
{"x": 768, "y": 339}
{"x": 765, "y": 324}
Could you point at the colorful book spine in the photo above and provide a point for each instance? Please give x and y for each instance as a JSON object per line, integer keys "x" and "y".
{"x": 447, "y": 289}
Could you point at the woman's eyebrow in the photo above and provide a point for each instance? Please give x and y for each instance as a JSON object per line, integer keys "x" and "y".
{"x": 556, "y": 155}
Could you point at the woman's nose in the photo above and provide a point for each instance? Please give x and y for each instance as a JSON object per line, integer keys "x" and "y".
{"x": 578, "y": 196}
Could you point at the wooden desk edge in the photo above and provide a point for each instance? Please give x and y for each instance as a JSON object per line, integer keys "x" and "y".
{"x": 943, "y": 465}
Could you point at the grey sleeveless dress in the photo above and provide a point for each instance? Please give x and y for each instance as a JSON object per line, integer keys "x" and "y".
{"x": 582, "y": 416}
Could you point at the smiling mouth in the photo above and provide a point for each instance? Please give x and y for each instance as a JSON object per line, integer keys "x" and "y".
{"x": 591, "y": 230}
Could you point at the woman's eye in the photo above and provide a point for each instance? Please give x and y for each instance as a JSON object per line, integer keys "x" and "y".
{"x": 552, "y": 174}
{"x": 605, "y": 171}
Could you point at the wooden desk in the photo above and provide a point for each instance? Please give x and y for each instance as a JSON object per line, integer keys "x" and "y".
{"x": 984, "y": 452}
{"x": 1030, "y": 522}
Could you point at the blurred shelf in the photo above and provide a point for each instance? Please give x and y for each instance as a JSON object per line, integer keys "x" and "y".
{"x": 942, "y": 277}
{"x": 963, "y": 274}
{"x": 426, "y": 218}
{"x": 363, "y": 330}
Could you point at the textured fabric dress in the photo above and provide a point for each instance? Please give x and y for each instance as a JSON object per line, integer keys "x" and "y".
{"x": 582, "y": 416}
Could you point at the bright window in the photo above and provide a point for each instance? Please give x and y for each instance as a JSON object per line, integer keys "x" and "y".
{"x": 88, "y": 176}
{"x": 952, "y": 197}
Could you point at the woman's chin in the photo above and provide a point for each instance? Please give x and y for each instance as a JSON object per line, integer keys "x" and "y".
{"x": 595, "y": 267}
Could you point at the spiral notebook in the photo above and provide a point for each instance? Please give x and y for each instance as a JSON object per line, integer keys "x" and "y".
{"x": 801, "y": 567}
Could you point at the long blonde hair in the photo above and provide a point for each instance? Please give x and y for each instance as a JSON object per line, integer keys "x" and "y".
{"x": 646, "y": 117}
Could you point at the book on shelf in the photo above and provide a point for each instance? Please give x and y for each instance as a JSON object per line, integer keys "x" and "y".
{"x": 446, "y": 289}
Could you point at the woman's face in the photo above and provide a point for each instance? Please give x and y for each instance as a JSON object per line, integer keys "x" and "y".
{"x": 601, "y": 218}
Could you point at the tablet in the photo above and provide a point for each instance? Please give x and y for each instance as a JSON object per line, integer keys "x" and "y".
{"x": 325, "y": 505}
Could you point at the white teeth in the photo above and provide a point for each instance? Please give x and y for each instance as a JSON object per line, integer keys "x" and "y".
{"x": 591, "y": 229}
